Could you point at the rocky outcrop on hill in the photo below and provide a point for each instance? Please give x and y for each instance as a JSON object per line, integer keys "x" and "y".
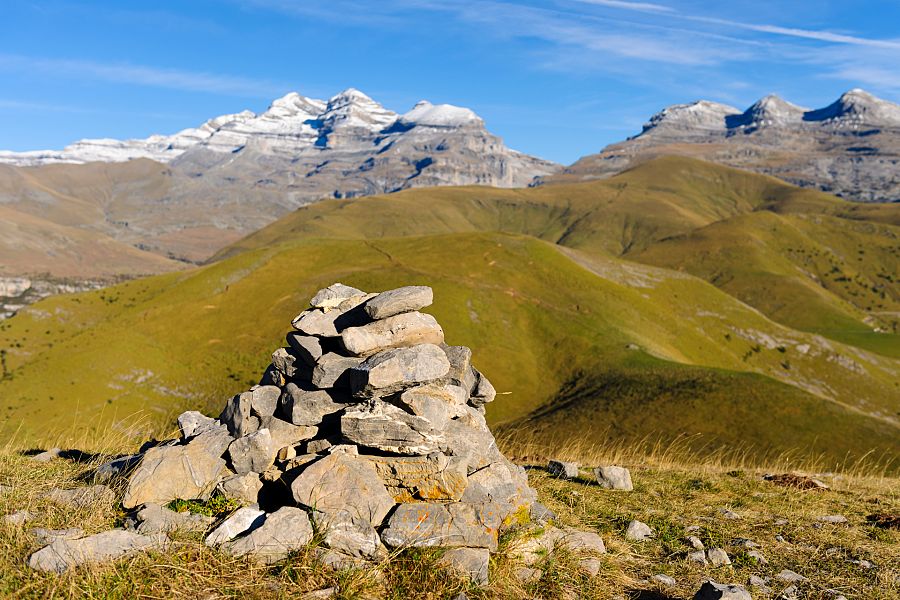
{"x": 850, "y": 148}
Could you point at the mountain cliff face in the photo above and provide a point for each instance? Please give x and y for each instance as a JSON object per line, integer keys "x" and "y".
{"x": 850, "y": 148}
{"x": 187, "y": 195}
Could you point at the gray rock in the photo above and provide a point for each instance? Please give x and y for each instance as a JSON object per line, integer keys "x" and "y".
{"x": 340, "y": 481}
{"x": 448, "y": 525}
{"x": 308, "y": 408}
{"x": 48, "y": 536}
{"x": 698, "y": 556}
{"x": 243, "y": 520}
{"x": 284, "y": 531}
{"x": 244, "y": 488}
{"x": 338, "y": 561}
{"x": 318, "y": 323}
{"x": 760, "y": 584}
{"x": 82, "y": 497}
{"x": 527, "y": 575}
{"x": 788, "y": 576}
{"x": 789, "y": 593}
{"x": 502, "y": 483}
{"x": 183, "y": 471}
{"x": 710, "y": 590}
{"x": 663, "y": 579}
{"x": 333, "y": 371}
{"x": 102, "y": 547}
{"x": 286, "y": 364}
{"x": 397, "y": 369}
{"x": 638, "y": 532}
{"x": 468, "y": 437}
{"x": 744, "y": 543}
{"x": 18, "y": 518}
{"x": 483, "y": 392}
{"x": 472, "y": 562}
{"x": 401, "y": 300}
{"x": 758, "y": 557}
{"x": 306, "y": 347}
{"x": 408, "y": 329}
{"x": 192, "y": 422}
{"x": 287, "y": 434}
{"x": 590, "y": 565}
{"x": 614, "y": 478}
{"x": 5, "y": 489}
{"x": 237, "y": 417}
{"x": 347, "y": 533}
{"x": 387, "y": 428}
{"x": 583, "y": 541}
{"x": 531, "y": 549}
{"x": 264, "y": 400}
{"x": 334, "y": 295}
{"x": 833, "y": 519}
{"x": 252, "y": 453}
{"x": 729, "y": 515}
{"x": 718, "y": 557}
{"x": 437, "y": 403}
{"x": 695, "y": 542}
{"x": 564, "y": 470}
{"x": 159, "y": 519}
{"x": 541, "y": 515}
{"x": 460, "y": 373}
{"x": 47, "y": 455}
{"x": 323, "y": 594}
{"x": 411, "y": 478}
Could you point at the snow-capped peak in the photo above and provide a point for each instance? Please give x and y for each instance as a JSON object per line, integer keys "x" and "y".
{"x": 701, "y": 114}
{"x": 856, "y": 107}
{"x": 767, "y": 111}
{"x": 426, "y": 114}
{"x": 352, "y": 108}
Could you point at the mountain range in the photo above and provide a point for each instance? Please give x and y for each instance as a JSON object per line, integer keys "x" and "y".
{"x": 850, "y": 148}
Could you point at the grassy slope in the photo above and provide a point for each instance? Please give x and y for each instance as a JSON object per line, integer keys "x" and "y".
{"x": 758, "y": 229}
{"x": 535, "y": 318}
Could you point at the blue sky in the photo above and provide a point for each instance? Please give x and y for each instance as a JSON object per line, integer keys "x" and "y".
{"x": 557, "y": 78}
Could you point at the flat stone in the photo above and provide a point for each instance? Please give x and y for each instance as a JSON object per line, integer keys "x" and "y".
{"x": 341, "y": 481}
{"x": 468, "y": 437}
{"x": 237, "y": 416}
{"x": 729, "y": 514}
{"x": 346, "y": 533}
{"x": 192, "y": 422}
{"x": 718, "y": 557}
{"x": 638, "y": 532}
{"x": 243, "y": 520}
{"x": 401, "y": 300}
{"x": 243, "y": 488}
{"x": 433, "y": 477}
{"x": 758, "y": 557}
{"x": 334, "y": 295}
{"x": 387, "y": 428}
{"x": 159, "y": 519}
{"x": 788, "y": 576}
{"x": 394, "y": 370}
{"x": 307, "y": 347}
{"x": 789, "y": 593}
{"x": 695, "y": 542}
{"x": 664, "y": 579}
{"x": 447, "y": 525}
{"x": 437, "y": 403}
{"x": 102, "y": 547}
{"x": 182, "y": 471}
{"x": 698, "y": 556}
{"x": 48, "y": 536}
{"x": 323, "y": 594}
{"x": 710, "y": 590}
{"x": 614, "y": 478}
{"x": 483, "y": 392}
{"x": 47, "y": 455}
{"x": 338, "y": 561}
{"x": 408, "y": 329}
{"x": 308, "y": 408}
{"x": 333, "y": 371}
{"x": 82, "y": 497}
{"x": 317, "y": 323}
{"x": 287, "y": 434}
{"x": 563, "y": 470}
{"x": 833, "y": 519}
{"x": 252, "y": 453}
{"x": 471, "y": 562}
{"x": 744, "y": 543}
{"x": 264, "y": 400}
{"x": 284, "y": 531}
{"x": 760, "y": 584}
{"x": 18, "y": 518}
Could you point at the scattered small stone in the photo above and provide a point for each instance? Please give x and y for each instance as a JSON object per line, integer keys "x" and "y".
{"x": 865, "y": 564}
{"x": 744, "y": 543}
{"x": 789, "y": 593}
{"x": 695, "y": 542}
{"x": 563, "y": 470}
{"x": 833, "y": 519}
{"x": 614, "y": 478}
{"x": 797, "y": 481}
{"x": 48, "y": 536}
{"x": 590, "y": 565}
{"x": 780, "y": 538}
{"x": 81, "y": 497}
{"x": 5, "y": 489}
{"x": 541, "y": 515}
{"x": 758, "y": 557}
{"x": 718, "y": 557}
{"x": 527, "y": 575}
{"x": 835, "y": 594}
{"x": 692, "y": 529}
{"x": 18, "y": 518}
{"x": 102, "y": 547}
{"x": 781, "y": 522}
{"x": 243, "y": 520}
{"x": 698, "y": 556}
{"x": 472, "y": 562}
{"x": 47, "y": 455}
{"x": 710, "y": 590}
{"x": 760, "y": 584}
{"x": 638, "y": 532}
{"x": 788, "y": 576}
{"x": 730, "y": 515}
{"x": 663, "y": 579}
{"x": 323, "y": 594}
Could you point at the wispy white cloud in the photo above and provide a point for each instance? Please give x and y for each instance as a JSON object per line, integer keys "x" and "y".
{"x": 808, "y": 34}
{"x": 143, "y": 75}
{"x": 636, "y": 6}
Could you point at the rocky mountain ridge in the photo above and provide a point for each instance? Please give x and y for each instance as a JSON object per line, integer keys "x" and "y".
{"x": 850, "y": 148}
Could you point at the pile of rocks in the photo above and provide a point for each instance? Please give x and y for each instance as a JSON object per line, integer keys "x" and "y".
{"x": 366, "y": 429}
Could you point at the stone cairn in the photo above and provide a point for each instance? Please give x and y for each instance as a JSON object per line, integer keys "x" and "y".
{"x": 367, "y": 429}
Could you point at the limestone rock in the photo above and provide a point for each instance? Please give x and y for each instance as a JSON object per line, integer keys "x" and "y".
{"x": 333, "y": 371}
{"x": 192, "y": 422}
{"x": 695, "y": 542}
{"x": 400, "y": 300}
{"x": 286, "y": 364}
{"x": 407, "y": 329}
{"x": 308, "y": 408}
{"x": 48, "y": 536}
{"x": 159, "y": 519}
{"x": 663, "y": 579}
{"x": 284, "y": 531}
{"x": 81, "y": 497}
{"x": 472, "y": 562}
{"x": 334, "y": 295}
{"x": 183, "y": 471}
{"x": 638, "y": 532}
{"x": 833, "y": 519}
{"x": 244, "y": 488}
{"x": 252, "y": 453}
{"x": 710, "y": 590}
{"x": 564, "y": 470}
{"x": 264, "y": 400}
{"x": 527, "y": 575}
{"x": 243, "y": 520}
{"x": 614, "y": 478}
{"x": 18, "y": 518}
{"x": 308, "y": 348}
{"x": 102, "y": 547}
{"x": 541, "y": 515}
{"x": 410, "y": 478}
{"x": 397, "y": 369}
{"x": 448, "y": 525}
{"x": 698, "y": 556}
{"x": 531, "y": 549}
{"x": 501, "y": 483}
{"x": 317, "y": 322}
{"x": 387, "y": 428}
{"x": 718, "y": 557}
{"x": 237, "y": 417}
{"x": 788, "y": 576}
{"x": 483, "y": 392}
{"x": 47, "y": 455}
{"x": 347, "y": 533}
{"x": 341, "y": 482}
{"x": 461, "y": 372}
{"x": 287, "y": 434}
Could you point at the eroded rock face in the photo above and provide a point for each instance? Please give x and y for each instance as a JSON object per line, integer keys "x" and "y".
{"x": 401, "y": 330}
{"x": 284, "y": 531}
{"x": 394, "y": 370}
{"x": 102, "y": 547}
{"x": 450, "y": 525}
